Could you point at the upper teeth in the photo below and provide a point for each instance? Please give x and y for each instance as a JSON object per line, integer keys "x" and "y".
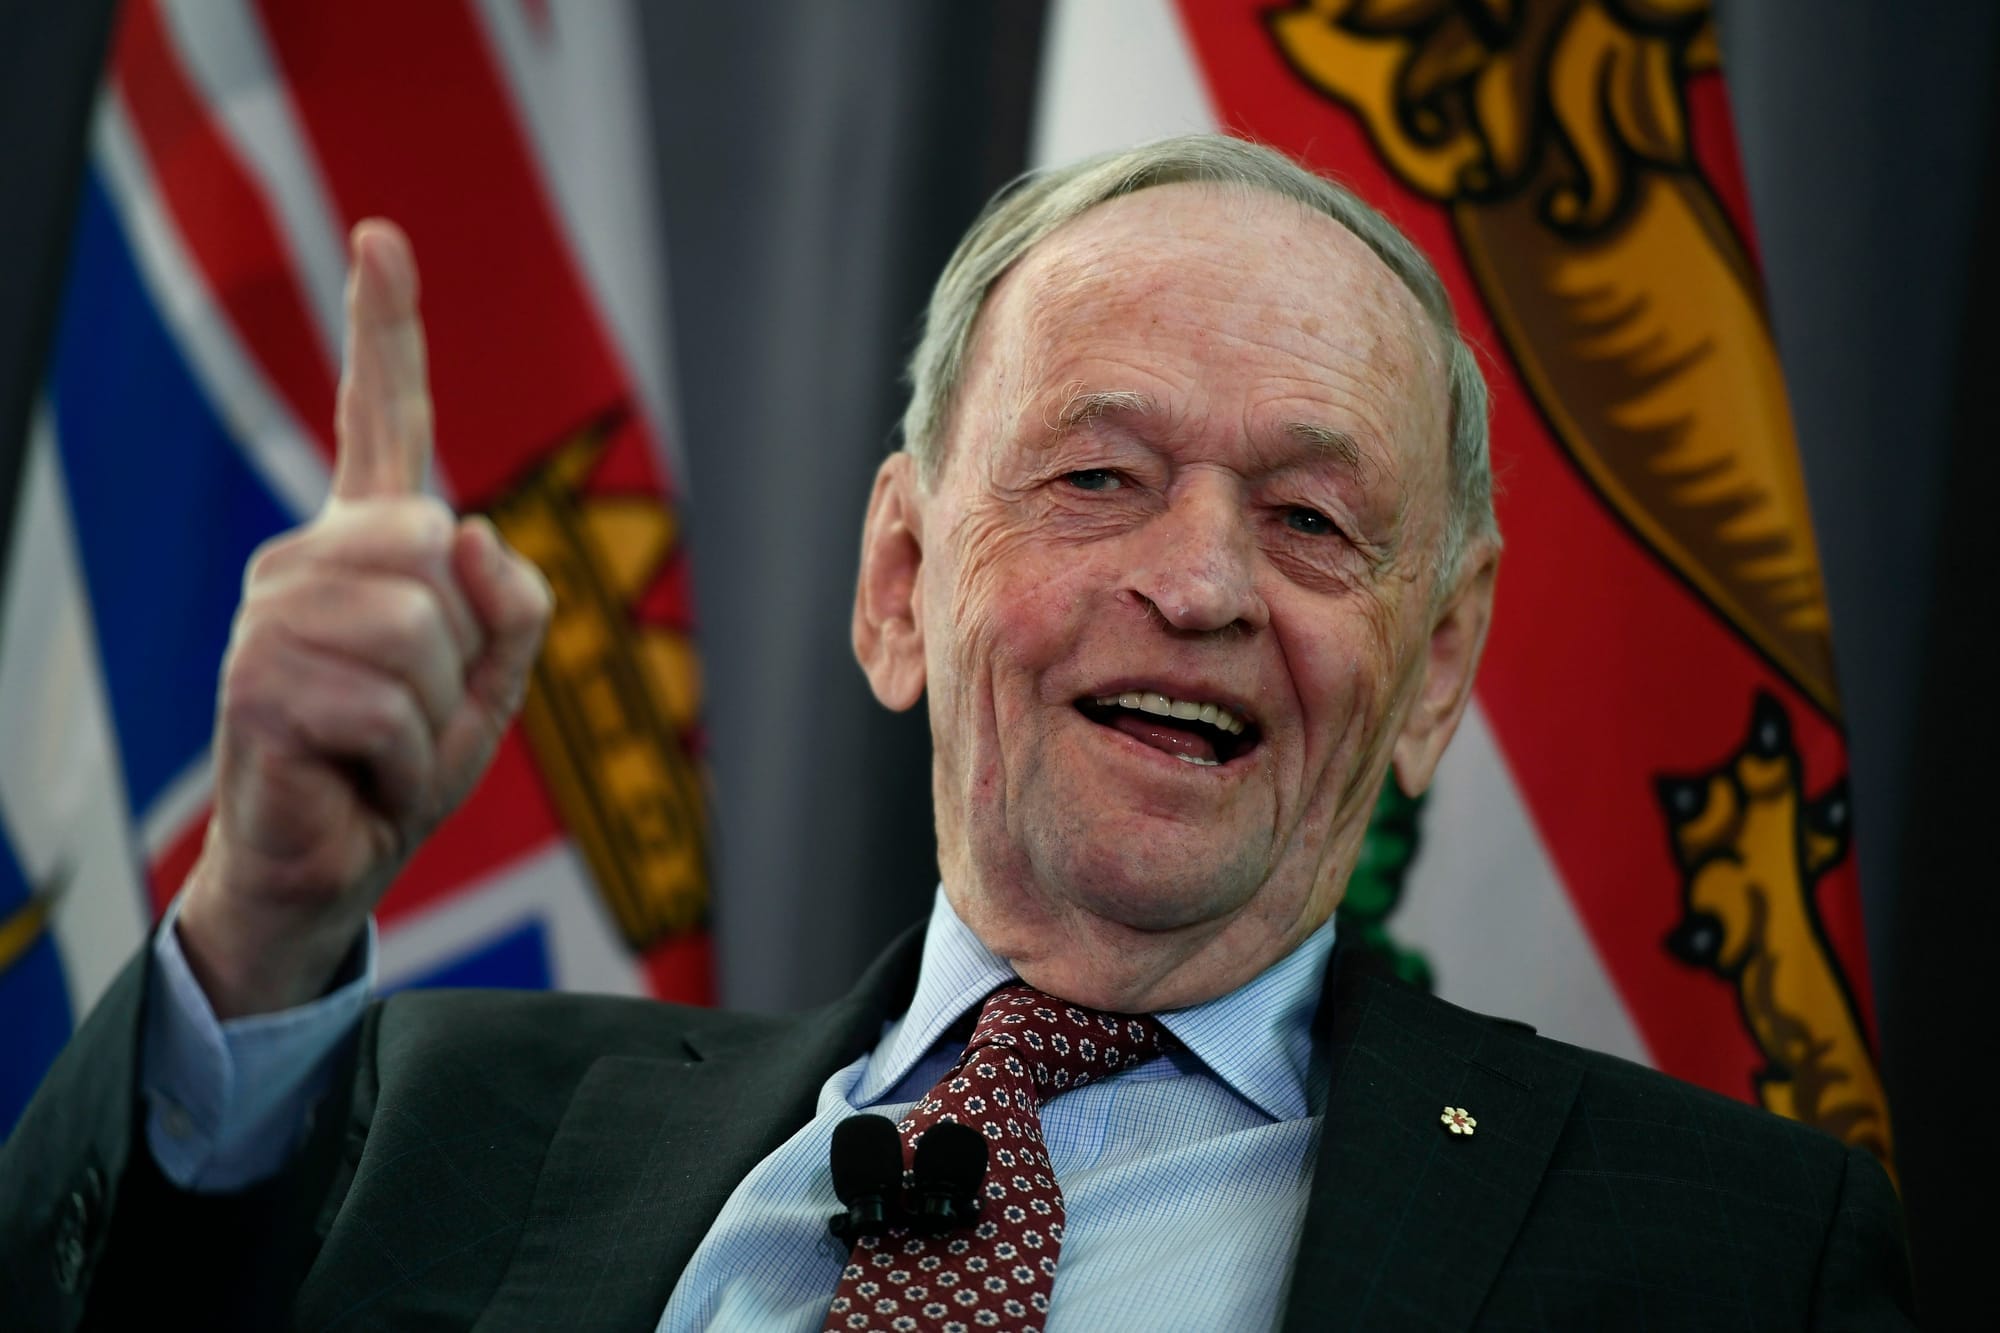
{"x": 1148, "y": 701}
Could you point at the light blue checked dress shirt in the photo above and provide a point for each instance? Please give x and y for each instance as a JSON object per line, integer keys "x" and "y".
{"x": 1186, "y": 1178}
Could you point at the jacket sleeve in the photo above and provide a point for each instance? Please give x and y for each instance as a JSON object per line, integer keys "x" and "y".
{"x": 92, "y": 1235}
{"x": 1864, "y": 1267}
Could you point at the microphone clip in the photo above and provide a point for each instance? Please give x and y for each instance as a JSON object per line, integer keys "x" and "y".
{"x": 948, "y": 1169}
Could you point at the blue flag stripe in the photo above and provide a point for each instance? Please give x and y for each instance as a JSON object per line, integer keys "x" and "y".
{"x": 165, "y": 508}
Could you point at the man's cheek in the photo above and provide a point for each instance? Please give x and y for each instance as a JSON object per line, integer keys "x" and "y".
{"x": 985, "y": 550}
{"x": 1011, "y": 647}
{"x": 1336, "y": 679}
{"x": 1015, "y": 610}
{"x": 974, "y": 668}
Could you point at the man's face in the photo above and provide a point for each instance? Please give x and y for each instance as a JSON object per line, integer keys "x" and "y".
{"x": 1197, "y": 462}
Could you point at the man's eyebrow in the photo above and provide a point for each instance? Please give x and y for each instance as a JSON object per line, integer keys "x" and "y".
{"x": 1347, "y": 453}
{"x": 1344, "y": 448}
{"x": 1084, "y": 406}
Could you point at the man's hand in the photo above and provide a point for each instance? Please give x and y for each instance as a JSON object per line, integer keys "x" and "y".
{"x": 379, "y": 653}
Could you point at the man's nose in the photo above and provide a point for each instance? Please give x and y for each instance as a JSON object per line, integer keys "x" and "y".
{"x": 1199, "y": 563}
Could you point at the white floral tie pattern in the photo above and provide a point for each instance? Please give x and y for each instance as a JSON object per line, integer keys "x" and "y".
{"x": 997, "y": 1273}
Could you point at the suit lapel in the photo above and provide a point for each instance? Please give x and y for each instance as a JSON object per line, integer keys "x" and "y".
{"x": 650, "y": 1150}
{"x": 1408, "y": 1223}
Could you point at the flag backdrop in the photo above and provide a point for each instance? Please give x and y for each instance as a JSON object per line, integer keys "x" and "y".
{"x": 187, "y": 416}
{"x": 1640, "y": 839}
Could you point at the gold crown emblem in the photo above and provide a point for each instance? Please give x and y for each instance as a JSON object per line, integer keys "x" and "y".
{"x": 613, "y": 702}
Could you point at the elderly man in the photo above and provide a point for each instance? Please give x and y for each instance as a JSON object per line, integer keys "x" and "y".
{"x": 1190, "y": 548}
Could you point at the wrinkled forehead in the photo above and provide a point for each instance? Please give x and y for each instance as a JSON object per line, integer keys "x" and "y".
{"x": 1193, "y": 221}
{"x": 1299, "y": 267}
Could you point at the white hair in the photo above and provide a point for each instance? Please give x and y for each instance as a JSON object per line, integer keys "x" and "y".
{"x": 1036, "y": 204}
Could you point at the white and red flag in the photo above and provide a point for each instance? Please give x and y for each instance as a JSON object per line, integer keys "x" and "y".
{"x": 188, "y": 415}
{"x": 1640, "y": 840}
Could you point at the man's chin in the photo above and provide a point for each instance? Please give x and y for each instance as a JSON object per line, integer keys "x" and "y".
{"x": 1148, "y": 886}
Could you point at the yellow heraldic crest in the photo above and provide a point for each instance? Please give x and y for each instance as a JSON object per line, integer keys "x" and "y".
{"x": 613, "y": 702}
{"x": 1750, "y": 847}
{"x": 1555, "y": 130}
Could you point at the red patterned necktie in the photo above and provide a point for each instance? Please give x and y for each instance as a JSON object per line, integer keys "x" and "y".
{"x": 997, "y": 1273}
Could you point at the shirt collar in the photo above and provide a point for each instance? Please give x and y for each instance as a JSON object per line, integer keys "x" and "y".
{"x": 1257, "y": 1039}
{"x": 957, "y": 972}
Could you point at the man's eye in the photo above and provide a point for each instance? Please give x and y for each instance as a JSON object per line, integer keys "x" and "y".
{"x": 1310, "y": 521}
{"x": 1094, "y": 479}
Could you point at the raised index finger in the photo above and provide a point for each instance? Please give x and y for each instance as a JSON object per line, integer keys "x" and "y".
{"x": 382, "y": 423}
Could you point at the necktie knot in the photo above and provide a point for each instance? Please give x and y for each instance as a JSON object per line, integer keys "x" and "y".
{"x": 1057, "y": 1045}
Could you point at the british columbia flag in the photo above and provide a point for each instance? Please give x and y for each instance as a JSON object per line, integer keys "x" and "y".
{"x": 187, "y": 416}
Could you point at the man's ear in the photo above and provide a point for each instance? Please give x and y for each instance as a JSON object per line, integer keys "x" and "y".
{"x": 1451, "y": 659}
{"x": 888, "y": 629}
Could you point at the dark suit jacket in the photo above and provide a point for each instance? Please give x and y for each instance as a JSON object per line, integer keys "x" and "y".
{"x": 517, "y": 1161}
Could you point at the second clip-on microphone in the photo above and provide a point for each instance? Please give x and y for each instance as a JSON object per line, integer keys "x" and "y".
{"x": 950, "y": 1165}
{"x": 867, "y": 1161}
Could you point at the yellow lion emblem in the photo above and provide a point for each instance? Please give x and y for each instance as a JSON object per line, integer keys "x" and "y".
{"x": 1750, "y": 847}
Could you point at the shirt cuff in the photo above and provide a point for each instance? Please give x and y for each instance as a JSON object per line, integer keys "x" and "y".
{"x": 228, "y": 1103}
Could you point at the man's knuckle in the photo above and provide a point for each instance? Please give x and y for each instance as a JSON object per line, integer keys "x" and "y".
{"x": 268, "y": 766}
{"x": 526, "y": 620}
{"x": 379, "y": 719}
{"x": 435, "y": 516}
{"x": 423, "y": 530}
{"x": 408, "y": 617}
{"x": 272, "y": 557}
{"x": 234, "y": 695}
{"x": 248, "y": 668}
{"x": 529, "y": 612}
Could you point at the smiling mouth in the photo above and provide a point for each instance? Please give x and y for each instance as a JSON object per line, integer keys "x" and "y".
{"x": 1205, "y": 735}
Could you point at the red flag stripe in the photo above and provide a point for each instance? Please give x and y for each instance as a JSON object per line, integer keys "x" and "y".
{"x": 169, "y": 868}
{"x": 224, "y": 221}
{"x": 420, "y": 127}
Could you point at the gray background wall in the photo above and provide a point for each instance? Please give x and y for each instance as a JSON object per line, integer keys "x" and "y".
{"x": 818, "y": 163}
